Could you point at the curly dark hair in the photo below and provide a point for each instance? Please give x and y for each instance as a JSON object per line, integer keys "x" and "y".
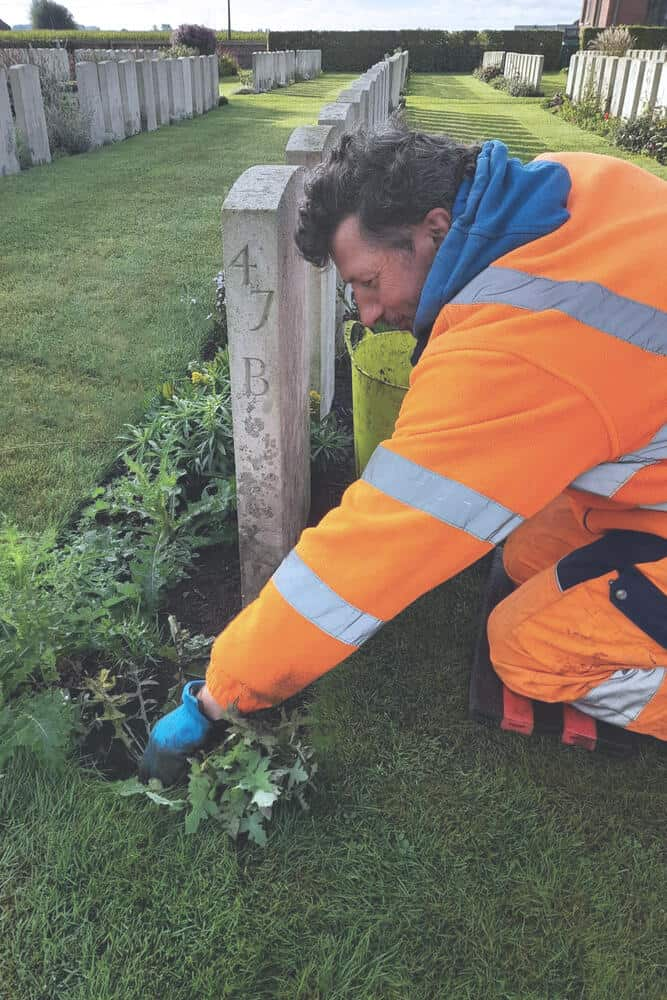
{"x": 390, "y": 179}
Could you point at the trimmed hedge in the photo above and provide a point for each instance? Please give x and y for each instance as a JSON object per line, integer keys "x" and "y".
{"x": 105, "y": 39}
{"x": 648, "y": 37}
{"x": 430, "y": 51}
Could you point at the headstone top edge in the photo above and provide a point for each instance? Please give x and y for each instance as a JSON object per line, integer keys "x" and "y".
{"x": 260, "y": 188}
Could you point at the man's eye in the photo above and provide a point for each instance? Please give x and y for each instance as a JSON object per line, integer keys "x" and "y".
{"x": 367, "y": 284}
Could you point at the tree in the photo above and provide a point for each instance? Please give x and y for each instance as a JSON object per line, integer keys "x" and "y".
{"x": 50, "y": 15}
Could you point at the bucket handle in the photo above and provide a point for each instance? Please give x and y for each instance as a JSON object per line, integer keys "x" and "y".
{"x": 355, "y": 332}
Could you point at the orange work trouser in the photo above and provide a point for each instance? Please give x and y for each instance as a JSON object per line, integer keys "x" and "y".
{"x": 571, "y": 643}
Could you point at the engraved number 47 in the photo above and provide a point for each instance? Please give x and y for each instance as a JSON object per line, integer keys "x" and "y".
{"x": 242, "y": 260}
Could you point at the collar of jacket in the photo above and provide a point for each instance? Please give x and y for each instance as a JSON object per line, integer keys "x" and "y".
{"x": 504, "y": 205}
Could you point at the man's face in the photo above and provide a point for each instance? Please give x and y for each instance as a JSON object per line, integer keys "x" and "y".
{"x": 387, "y": 283}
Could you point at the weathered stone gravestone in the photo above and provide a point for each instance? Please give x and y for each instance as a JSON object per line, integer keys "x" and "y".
{"x": 112, "y": 104}
{"x": 342, "y": 115}
{"x": 186, "y": 72}
{"x": 161, "y": 88}
{"x": 147, "y": 102}
{"x": 90, "y": 100}
{"x": 9, "y": 163}
{"x": 129, "y": 95}
{"x": 307, "y": 146}
{"x": 29, "y": 111}
{"x": 269, "y": 365}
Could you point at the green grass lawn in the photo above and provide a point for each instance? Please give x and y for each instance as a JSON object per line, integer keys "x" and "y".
{"x": 440, "y": 859}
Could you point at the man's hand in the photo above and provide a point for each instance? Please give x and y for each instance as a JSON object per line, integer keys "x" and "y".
{"x": 178, "y": 734}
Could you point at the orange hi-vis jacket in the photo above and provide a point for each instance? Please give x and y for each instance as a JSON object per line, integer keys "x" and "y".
{"x": 546, "y": 373}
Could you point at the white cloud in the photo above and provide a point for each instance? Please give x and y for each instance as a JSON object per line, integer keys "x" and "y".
{"x": 348, "y": 15}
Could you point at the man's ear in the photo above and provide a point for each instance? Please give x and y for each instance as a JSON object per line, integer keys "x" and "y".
{"x": 438, "y": 221}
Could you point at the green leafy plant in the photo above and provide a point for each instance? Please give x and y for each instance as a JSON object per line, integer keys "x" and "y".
{"x": 228, "y": 64}
{"x": 175, "y": 51}
{"x": 238, "y": 785}
{"x": 645, "y": 134}
{"x": 330, "y": 444}
{"x": 487, "y": 73}
{"x": 514, "y": 86}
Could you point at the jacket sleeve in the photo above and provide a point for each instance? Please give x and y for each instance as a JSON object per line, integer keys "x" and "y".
{"x": 484, "y": 440}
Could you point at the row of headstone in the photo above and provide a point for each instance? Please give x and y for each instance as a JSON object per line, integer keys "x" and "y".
{"x": 657, "y": 55}
{"x": 279, "y": 69}
{"x": 120, "y": 99}
{"x": 281, "y": 318}
{"x": 54, "y": 61}
{"x": 494, "y": 60}
{"x": 130, "y": 96}
{"x": 624, "y": 86}
{"x": 105, "y": 55}
{"x": 525, "y": 67}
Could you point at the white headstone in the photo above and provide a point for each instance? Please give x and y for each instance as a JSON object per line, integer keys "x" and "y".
{"x": 176, "y": 90}
{"x": 343, "y": 115}
{"x": 161, "y": 89}
{"x": 308, "y": 145}
{"x": 633, "y": 89}
{"x": 147, "y": 103}
{"x": 184, "y": 62}
{"x": 650, "y": 84}
{"x": 112, "y": 104}
{"x": 9, "y": 163}
{"x": 620, "y": 86}
{"x": 269, "y": 366}
{"x": 214, "y": 79}
{"x": 29, "y": 111}
{"x": 90, "y": 100}
{"x": 129, "y": 95}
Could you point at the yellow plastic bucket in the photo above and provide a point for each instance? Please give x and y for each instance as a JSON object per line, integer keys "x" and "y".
{"x": 380, "y": 377}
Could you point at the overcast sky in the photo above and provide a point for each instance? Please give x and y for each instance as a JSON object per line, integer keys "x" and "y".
{"x": 450, "y": 15}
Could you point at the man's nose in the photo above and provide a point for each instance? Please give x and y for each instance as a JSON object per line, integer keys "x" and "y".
{"x": 370, "y": 312}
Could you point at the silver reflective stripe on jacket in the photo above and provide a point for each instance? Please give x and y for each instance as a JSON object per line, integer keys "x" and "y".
{"x": 609, "y": 477}
{"x": 317, "y": 602}
{"x": 638, "y": 324}
{"x": 417, "y": 487}
{"x": 622, "y": 697}
{"x": 442, "y": 498}
{"x": 586, "y": 301}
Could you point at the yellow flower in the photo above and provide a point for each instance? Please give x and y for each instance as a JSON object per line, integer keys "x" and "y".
{"x": 198, "y": 378}
{"x": 315, "y": 396}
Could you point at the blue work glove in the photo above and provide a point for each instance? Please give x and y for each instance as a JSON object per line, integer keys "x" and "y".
{"x": 173, "y": 737}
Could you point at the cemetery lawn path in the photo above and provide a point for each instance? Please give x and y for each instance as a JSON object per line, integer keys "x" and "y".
{"x": 107, "y": 263}
{"x": 471, "y": 111}
{"x": 441, "y": 860}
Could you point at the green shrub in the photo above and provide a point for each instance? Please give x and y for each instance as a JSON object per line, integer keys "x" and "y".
{"x": 195, "y": 36}
{"x": 486, "y": 73}
{"x": 228, "y": 64}
{"x": 67, "y": 125}
{"x": 514, "y": 86}
{"x": 646, "y": 134}
{"x": 177, "y": 50}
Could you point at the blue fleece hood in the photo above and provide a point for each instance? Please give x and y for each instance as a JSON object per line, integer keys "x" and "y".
{"x": 505, "y": 205}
